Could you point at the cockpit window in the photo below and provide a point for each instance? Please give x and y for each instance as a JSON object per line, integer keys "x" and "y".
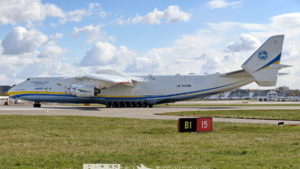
{"x": 28, "y": 79}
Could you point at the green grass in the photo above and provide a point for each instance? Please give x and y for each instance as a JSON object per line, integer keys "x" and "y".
{"x": 223, "y": 105}
{"x": 68, "y": 142}
{"x": 243, "y": 114}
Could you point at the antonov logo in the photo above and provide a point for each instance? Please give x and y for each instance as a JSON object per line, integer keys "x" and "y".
{"x": 263, "y": 55}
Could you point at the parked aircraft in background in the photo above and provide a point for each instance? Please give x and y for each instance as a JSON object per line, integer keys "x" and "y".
{"x": 118, "y": 90}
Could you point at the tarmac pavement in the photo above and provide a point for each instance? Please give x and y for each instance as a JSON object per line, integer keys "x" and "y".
{"x": 138, "y": 113}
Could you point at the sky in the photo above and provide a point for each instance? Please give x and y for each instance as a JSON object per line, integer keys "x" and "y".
{"x": 71, "y": 38}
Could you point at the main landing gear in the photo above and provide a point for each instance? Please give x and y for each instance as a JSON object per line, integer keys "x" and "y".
{"x": 37, "y": 104}
{"x": 128, "y": 104}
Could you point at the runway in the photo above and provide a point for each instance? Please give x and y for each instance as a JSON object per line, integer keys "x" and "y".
{"x": 138, "y": 113}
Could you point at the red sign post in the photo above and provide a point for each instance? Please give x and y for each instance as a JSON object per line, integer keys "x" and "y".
{"x": 204, "y": 124}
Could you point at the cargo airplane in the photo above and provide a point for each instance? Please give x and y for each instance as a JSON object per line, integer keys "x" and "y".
{"x": 118, "y": 90}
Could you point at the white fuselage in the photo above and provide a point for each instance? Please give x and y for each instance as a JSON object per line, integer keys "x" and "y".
{"x": 151, "y": 89}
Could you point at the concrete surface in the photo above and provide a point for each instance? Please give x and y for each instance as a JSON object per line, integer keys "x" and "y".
{"x": 139, "y": 113}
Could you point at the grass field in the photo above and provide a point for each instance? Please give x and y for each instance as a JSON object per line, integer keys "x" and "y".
{"x": 68, "y": 142}
{"x": 248, "y": 114}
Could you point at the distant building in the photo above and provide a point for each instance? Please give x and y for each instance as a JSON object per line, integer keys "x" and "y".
{"x": 279, "y": 94}
{"x": 4, "y": 90}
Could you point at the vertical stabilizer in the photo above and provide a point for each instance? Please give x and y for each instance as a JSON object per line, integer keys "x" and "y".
{"x": 264, "y": 63}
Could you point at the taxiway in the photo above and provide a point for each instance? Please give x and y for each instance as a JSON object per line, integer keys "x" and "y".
{"x": 139, "y": 113}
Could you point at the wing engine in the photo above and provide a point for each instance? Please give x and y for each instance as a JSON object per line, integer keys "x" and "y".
{"x": 82, "y": 91}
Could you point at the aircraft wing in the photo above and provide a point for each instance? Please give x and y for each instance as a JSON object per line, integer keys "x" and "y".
{"x": 108, "y": 78}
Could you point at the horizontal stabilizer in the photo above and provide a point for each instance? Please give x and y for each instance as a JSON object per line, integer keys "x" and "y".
{"x": 236, "y": 74}
{"x": 283, "y": 73}
{"x": 280, "y": 66}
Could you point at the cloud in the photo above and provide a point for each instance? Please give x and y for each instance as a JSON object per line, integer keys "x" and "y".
{"x": 98, "y": 10}
{"x": 29, "y": 11}
{"x": 31, "y": 53}
{"x": 214, "y": 4}
{"x": 53, "y": 51}
{"x": 93, "y": 33}
{"x": 78, "y": 14}
{"x": 144, "y": 65}
{"x": 75, "y": 15}
{"x": 104, "y": 53}
{"x": 171, "y": 14}
{"x": 20, "y": 41}
{"x": 177, "y": 58}
{"x": 244, "y": 43}
{"x": 290, "y": 20}
{"x": 287, "y": 24}
{"x": 12, "y": 12}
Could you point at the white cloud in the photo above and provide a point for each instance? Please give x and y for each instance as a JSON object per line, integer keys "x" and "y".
{"x": 29, "y": 11}
{"x": 31, "y": 53}
{"x": 12, "y": 12}
{"x": 53, "y": 51}
{"x": 290, "y": 20}
{"x": 104, "y": 53}
{"x": 179, "y": 57}
{"x": 287, "y": 24}
{"x": 89, "y": 29}
{"x": 174, "y": 14}
{"x": 144, "y": 65}
{"x": 78, "y": 14}
{"x": 16, "y": 68}
{"x": 245, "y": 42}
{"x": 97, "y": 9}
{"x": 75, "y": 15}
{"x": 93, "y": 33}
{"x": 171, "y": 14}
{"x": 20, "y": 41}
{"x": 214, "y": 4}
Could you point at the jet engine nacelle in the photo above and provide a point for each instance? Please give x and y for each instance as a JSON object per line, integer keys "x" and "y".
{"x": 82, "y": 91}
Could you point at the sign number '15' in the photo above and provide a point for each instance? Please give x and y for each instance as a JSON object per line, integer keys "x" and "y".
{"x": 204, "y": 124}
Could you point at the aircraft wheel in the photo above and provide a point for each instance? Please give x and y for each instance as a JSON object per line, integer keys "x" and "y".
{"x": 108, "y": 105}
{"x": 150, "y": 105}
{"x": 114, "y": 104}
{"x": 37, "y": 104}
{"x": 144, "y": 104}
